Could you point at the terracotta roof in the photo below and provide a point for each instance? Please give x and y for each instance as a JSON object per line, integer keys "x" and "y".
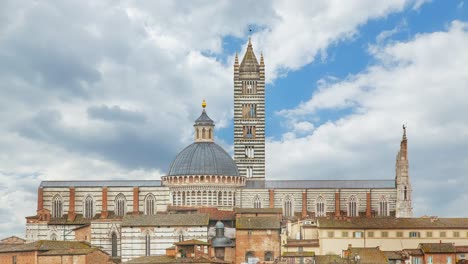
{"x": 437, "y": 247}
{"x": 45, "y": 245}
{"x": 302, "y": 243}
{"x": 329, "y": 259}
{"x": 180, "y": 208}
{"x": 414, "y": 252}
{"x": 461, "y": 249}
{"x": 393, "y": 255}
{"x": 72, "y": 251}
{"x": 166, "y": 259}
{"x": 216, "y": 214}
{"x": 79, "y": 220}
{"x": 258, "y": 210}
{"x": 260, "y": 222}
{"x": 166, "y": 220}
{"x": 368, "y": 255}
{"x": 394, "y": 223}
{"x": 12, "y": 238}
{"x": 192, "y": 242}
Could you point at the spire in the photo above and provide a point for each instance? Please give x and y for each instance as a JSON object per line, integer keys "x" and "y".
{"x": 204, "y": 127}
{"x": 249, "y": 62}
{"x": 403, "y": 154}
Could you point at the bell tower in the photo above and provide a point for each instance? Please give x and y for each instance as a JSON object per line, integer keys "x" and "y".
{"x": 404, "y": 205}
{"x": 249, "y": 115}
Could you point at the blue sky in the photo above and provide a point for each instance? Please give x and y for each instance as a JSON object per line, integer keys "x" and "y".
{"x": 109, "y": 90}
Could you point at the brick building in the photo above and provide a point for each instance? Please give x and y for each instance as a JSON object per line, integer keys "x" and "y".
{"x": 54, "y": 252}
{"x": 258, "y": 235}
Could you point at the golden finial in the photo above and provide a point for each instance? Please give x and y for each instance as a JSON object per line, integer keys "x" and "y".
{"x": 203, "y": 104}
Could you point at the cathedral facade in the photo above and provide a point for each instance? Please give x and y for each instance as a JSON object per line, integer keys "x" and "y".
{"x": 132, "y": 218}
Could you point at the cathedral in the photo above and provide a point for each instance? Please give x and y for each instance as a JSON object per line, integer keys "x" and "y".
{"x": 131, "y": 218}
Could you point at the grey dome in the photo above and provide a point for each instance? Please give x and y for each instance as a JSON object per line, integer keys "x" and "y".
{"x": 219, "y": 224}
{"x": 203, "y": 158}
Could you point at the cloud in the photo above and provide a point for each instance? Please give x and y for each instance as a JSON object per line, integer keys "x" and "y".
{"x": 115, "y": 113}
{"x": 109, "y": 90}
{"x": 421, "y": 82}
{"x": 303, "y": 30}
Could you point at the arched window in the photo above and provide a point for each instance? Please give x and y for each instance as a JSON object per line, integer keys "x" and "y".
{"x": 406, "y": 193}
{"x": 198, "y": 133}
{"x": 57, "y": 206}
{"x": 150, "y": 204}
{"x": 288, "y": 206}
{"x": 203, "y": 133}
{"x": 88, "y": 207}
{"x": 209, "y": 133}
{"x": 148, "y": 245}
{"x": 53, "y": 236}
{"x": 269, "y": 256}
{"x": 320, "y": 207}
{"x": 249, "y": 255}
{"x": 114, "y": 244}
{"x": 352, "y": 206}
{"x": 120, "y": 205}
{"x": 256, "y": 202}
{"x": 383, "y": 207}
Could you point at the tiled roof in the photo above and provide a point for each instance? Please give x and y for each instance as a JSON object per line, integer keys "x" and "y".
{"x": 414, "y": 252}
{"x": 79, "y": 220}
{"x": 180, "y": 208}
{"x": 13, "y": 239}
{"x": 261, "y": 222}
{"x": 437, "y": 247}
{"x": 368, "y": 255}
{"x": 216, "y": 214}
{"x": 258, "y": 210}
{"x": 394, "y": 223}
{"x": 302, "y": 243}
{"x": 166, "y": 259}
{"x": 192, "y": 242}
{"x": 393, "y": 255}
{"x": 116, "y": 183}
{"x": 72, "y": 251}
{"x": 328, "y": 259}
{"x": 461, "y": 249}
{"x": 322, "y": 184}
{"x": 44, "y": 245}
{"x": 166, "y": 220}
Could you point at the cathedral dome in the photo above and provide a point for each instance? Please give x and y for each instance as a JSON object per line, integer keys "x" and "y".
{"x": 203, "y": 158}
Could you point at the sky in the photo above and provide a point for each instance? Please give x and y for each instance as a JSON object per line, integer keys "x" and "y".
{"x": 99, "y": 90}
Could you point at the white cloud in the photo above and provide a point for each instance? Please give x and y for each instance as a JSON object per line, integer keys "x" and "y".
{"x": 422, "y": 82}
{"x": 110, "y": 90}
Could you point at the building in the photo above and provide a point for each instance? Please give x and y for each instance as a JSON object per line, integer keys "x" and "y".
{"x": 51, "y": 252}
{"x": 109, "y": 214}
{"x": 389, "y": 234}
{"x": 257, "y": 235}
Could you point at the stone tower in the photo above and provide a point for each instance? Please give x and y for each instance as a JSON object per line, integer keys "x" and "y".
{"x": 249, "y": 115}
{"x": 404, "y": 207}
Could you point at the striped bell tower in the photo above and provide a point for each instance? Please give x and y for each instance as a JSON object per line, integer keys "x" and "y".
{"x": 249, "y": 115}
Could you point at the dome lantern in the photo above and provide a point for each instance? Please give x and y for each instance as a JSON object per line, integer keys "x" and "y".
{"x": 204, "y": 127}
